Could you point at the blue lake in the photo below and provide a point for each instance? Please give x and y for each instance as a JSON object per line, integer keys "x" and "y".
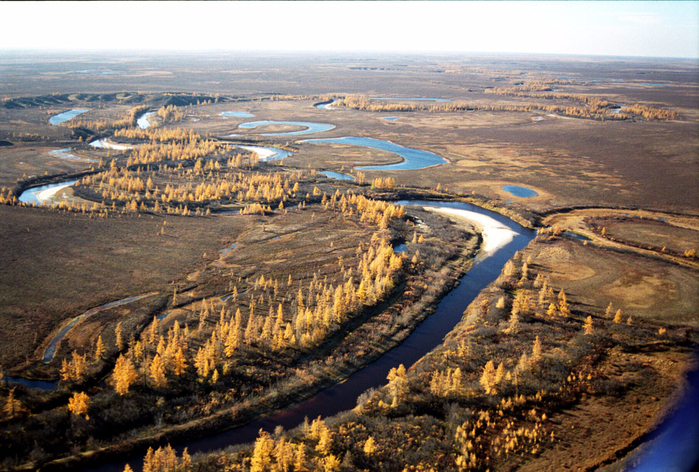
{"x": 517, "y": 191}
{"x": 310, "y": 127}
{"x": 237, "y": 114}
{"x": 66, "y": 115}
{"x": 414, "y": 158}
{"x": 336, "y": 175}
{"x": 390, "y": 118}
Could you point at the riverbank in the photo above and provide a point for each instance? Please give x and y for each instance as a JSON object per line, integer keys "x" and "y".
{"x": 393, "y": 321}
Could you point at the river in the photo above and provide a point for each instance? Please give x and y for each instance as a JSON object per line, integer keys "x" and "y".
{"x": 428, "y": 335}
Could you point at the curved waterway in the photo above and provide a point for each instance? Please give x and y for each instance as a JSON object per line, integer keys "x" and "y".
{"x": 428, "y": 335}
{"x": 39, "y": 195}
{"x": 51, "y": 349}
{"x": 336, "y": 175}
{"x": 414, "y": 158}
{"x": 327, "y": 105}
{"x": 66, "y": 116}
{"x": 310, "y": 126}
{"x": 143, "y": 122}
{"x": 105, "y": 143}
{"x": 268, "y": 153}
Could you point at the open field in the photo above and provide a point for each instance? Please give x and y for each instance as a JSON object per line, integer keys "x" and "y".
{"x": 265, "y": 282}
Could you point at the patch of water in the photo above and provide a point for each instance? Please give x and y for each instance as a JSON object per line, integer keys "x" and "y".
{"x": 577, "y": 236}
{"x": 400, "y": 248}
{"x": 390, "y": 118}
{"x": 104, "y": 143}
{"x": 30, "y": 383}
{"x": 237, "y": 114}
{"x": 517, "y": 191}
{"x": 143, "y": 122}
{"x": 225, "y": 251}
{"x": 327, "y": 105}
{"x": 336, "y": 175}
{"x": 414, "y": 158}
{"x": 39, "y": 195}
{"x": 66, "y": 116}
{"x": 268, "y": 153}
{"x": 65, "y": 154}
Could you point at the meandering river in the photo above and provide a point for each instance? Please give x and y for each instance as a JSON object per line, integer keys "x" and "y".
{"x": 428, "y": 335}
{"x": 413, "y": 158}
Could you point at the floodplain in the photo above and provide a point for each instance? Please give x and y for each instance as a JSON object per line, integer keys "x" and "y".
{"x": 205, "y": 271}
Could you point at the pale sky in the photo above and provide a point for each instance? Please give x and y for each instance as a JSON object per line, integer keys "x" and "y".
{"x": 656, "y": 29}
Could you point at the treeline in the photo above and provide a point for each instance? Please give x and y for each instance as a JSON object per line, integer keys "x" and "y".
{"x": 595, "y": 105}
{"x": 171, "y": 114}
{"x": 595, "y": 108}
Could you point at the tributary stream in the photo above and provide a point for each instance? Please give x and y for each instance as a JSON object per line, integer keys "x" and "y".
{"x": 428, "y": 335}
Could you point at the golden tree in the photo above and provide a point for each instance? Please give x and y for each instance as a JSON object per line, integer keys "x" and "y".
{"x": 157, "y": 371}
{"x": 12, "y": 405}
{"x": 78, "y": 404}
{"x": 125, "y": 375}
{"x": 370, "y": 446}
{"x": 99, "y": 348}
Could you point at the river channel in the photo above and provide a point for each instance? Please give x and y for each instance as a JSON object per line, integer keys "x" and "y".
{"x": 428, "y": 335}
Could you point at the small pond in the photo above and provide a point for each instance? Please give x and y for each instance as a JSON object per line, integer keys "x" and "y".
{"x": 517, "y": 191}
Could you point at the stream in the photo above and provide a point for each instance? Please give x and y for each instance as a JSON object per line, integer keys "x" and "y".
{"x": 428, "y": 335}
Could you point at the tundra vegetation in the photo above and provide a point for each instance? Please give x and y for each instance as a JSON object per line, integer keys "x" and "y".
{"x": 259, "y": 282}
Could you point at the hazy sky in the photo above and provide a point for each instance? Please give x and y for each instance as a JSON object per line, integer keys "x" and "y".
{"x": 664, "y": 29}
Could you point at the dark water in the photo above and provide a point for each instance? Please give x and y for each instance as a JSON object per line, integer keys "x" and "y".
{"x": 428, "y": 335}
{"x": 37, "y": 384}
{"x": 676, "y": 447}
